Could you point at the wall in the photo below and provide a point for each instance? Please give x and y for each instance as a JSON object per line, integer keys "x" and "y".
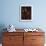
{"x": 10, "y": 13}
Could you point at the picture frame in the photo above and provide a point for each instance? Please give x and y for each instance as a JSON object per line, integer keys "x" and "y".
{"x": 26, "y": 13}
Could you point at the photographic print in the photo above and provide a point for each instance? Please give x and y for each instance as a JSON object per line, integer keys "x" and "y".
{"x": 25, "y": 13}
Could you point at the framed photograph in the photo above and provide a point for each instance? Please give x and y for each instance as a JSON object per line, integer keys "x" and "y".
{"x": 25, "y": 12}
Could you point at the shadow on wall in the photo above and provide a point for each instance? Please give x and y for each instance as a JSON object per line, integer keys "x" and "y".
{"x": 2, "y": 26}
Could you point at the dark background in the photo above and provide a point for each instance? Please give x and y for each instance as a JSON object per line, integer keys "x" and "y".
{"x": 25, "y": 13}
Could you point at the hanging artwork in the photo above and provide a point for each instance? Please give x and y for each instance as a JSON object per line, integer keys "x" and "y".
{"x": 25, "y": 13}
